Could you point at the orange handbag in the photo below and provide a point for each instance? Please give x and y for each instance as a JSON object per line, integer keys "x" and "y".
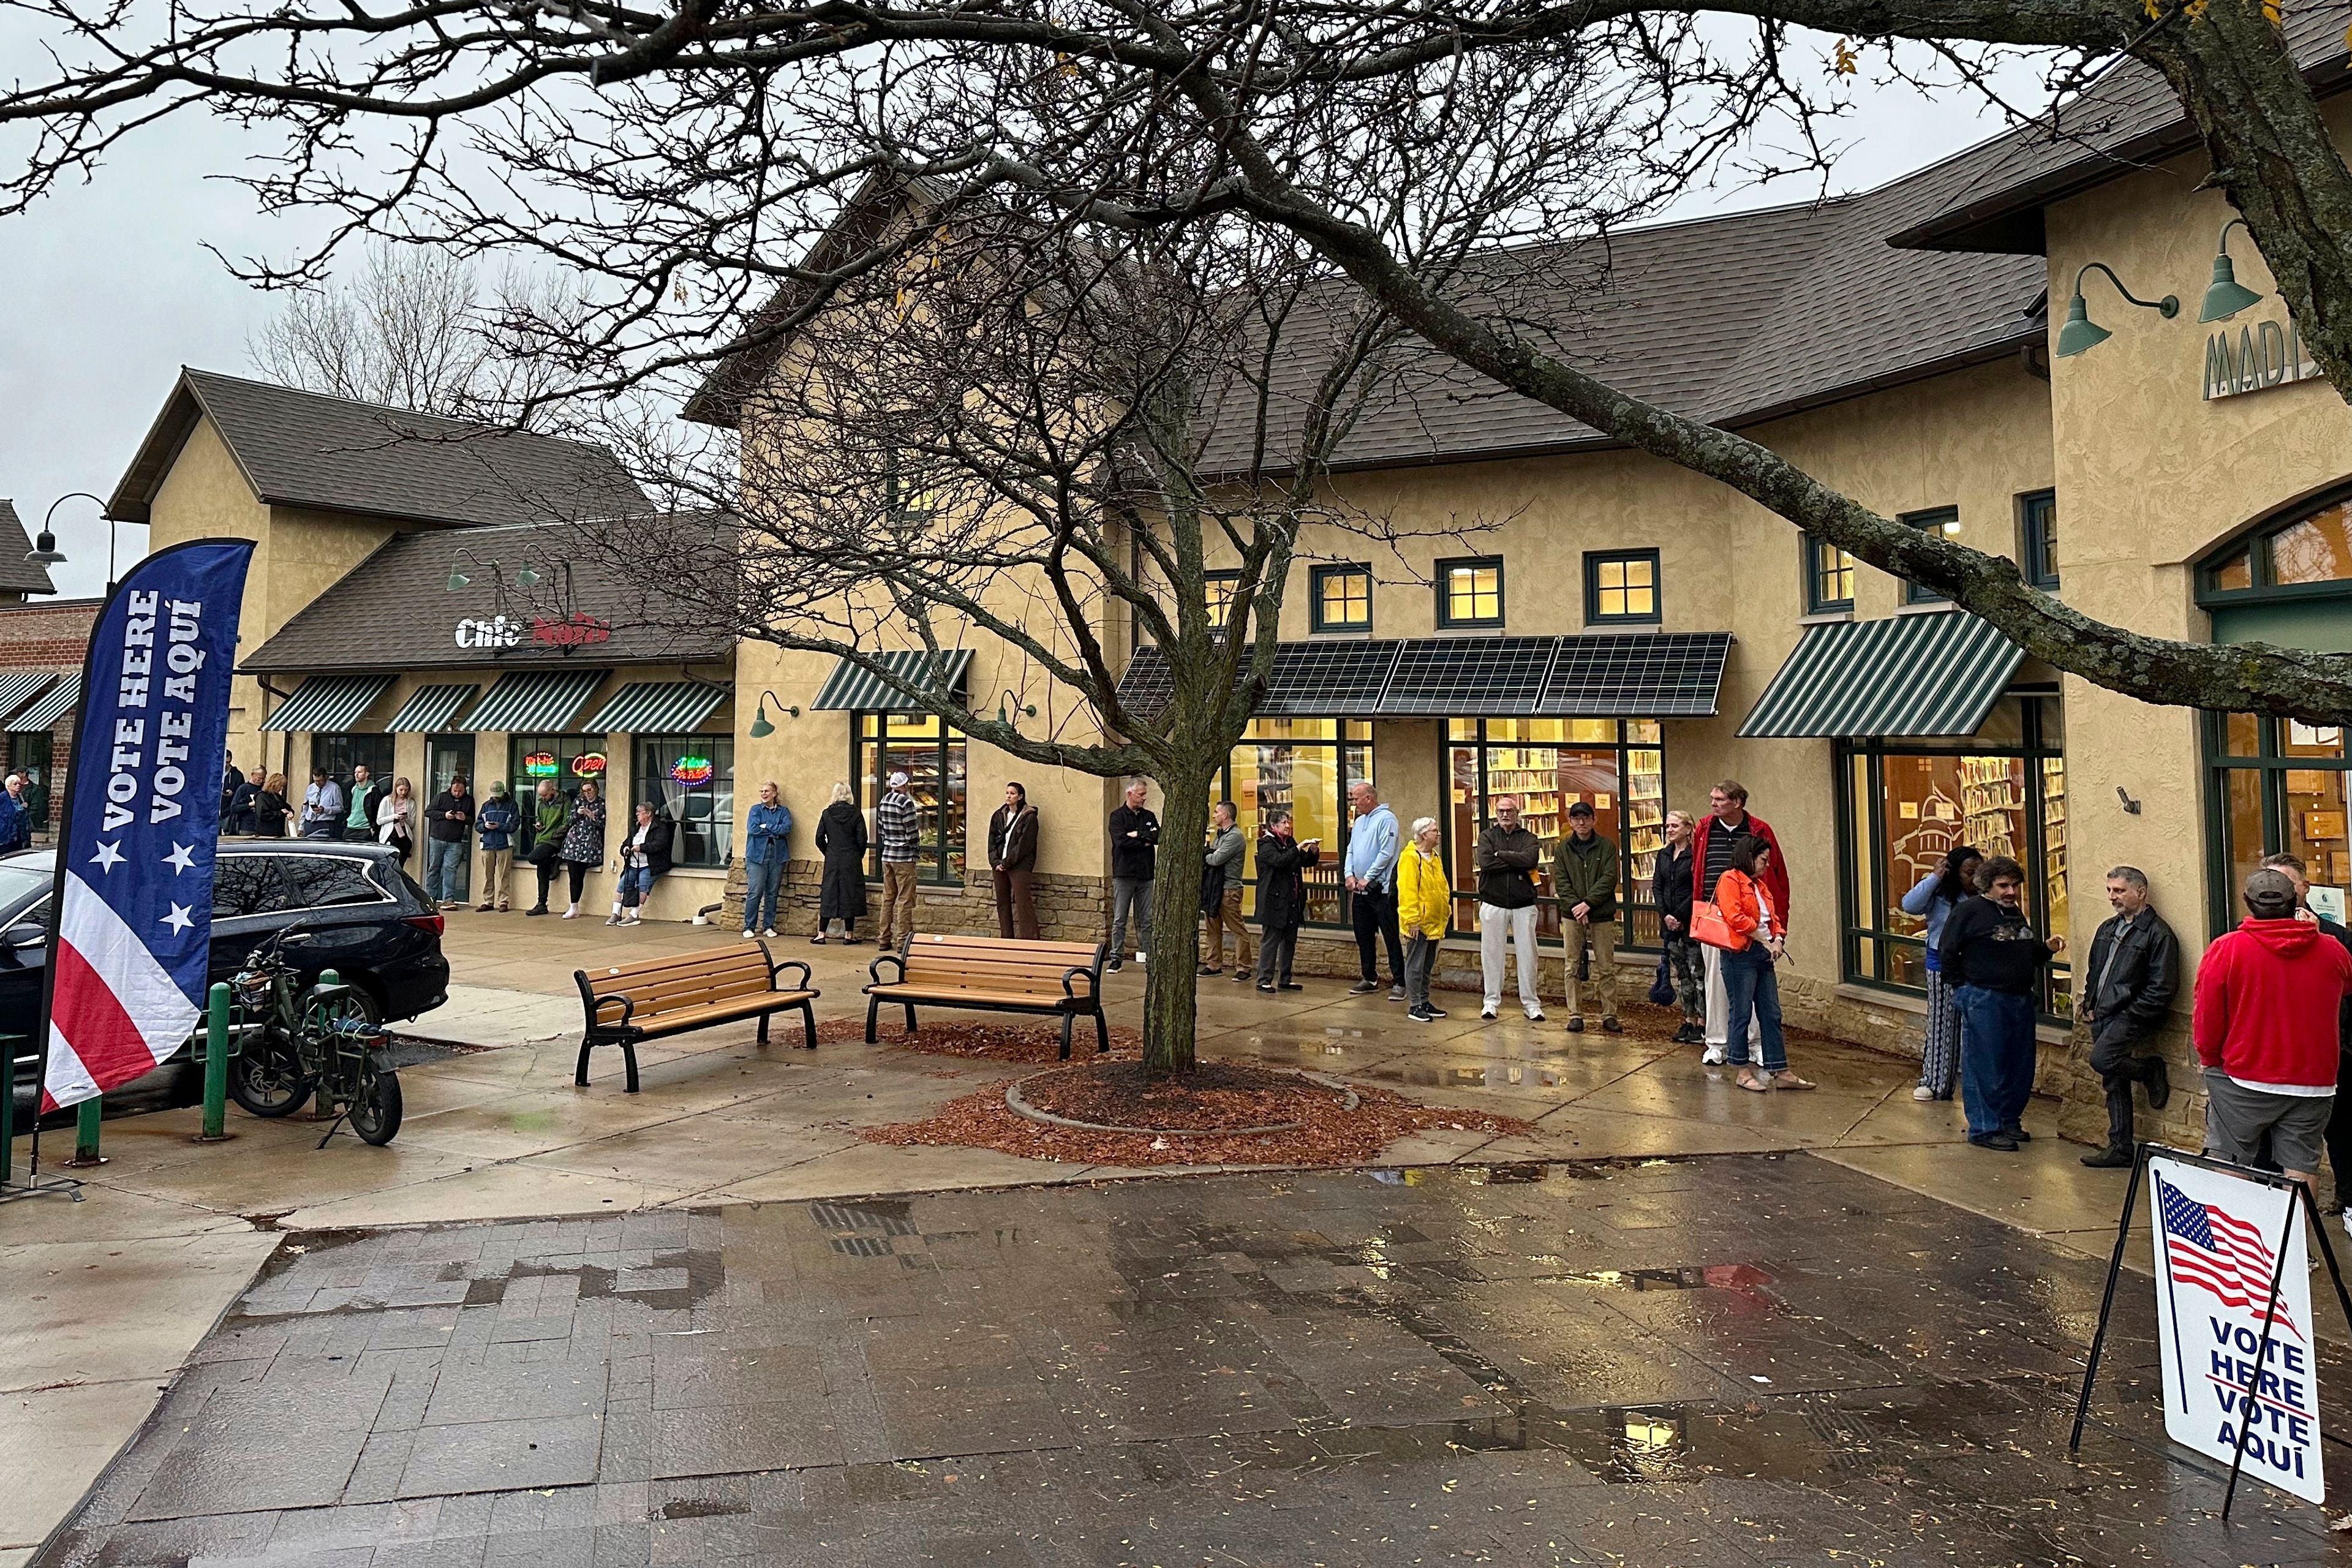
{"x": 1708, "y": 925}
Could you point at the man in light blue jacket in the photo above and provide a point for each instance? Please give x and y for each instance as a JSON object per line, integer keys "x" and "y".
{"x": 1373, "y": 844}
{"x": 767, "y": 846}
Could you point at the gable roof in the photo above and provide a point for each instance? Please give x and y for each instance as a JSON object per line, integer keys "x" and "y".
{"x": 18, "y": 575}
{"x": 306, "y": 448}
{"x": 395, "y": 610}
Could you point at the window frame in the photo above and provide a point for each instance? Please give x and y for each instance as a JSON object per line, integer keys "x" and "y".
{"x": 1809, "y": 567}
{"x": 1349, "y": 749}
{"x": 934, "y": 857}
{"x": 2271, "y": 762}
{"x": 1220, "y": 614}
{"x": 718, "y": 830}
{"x": 2037, "y": 538}
{"x": 1319, "y": 575}
{"x": 2262, "y": 572}
{"x": 1947, "y": 518}
{"x": 1596, "y": 559}
{"x": 1446, "y": 620}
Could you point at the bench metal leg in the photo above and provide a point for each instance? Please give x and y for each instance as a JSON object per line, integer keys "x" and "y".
{"x": 629, "y": 1055}
{"x": 910, "y": 1012}
{"x": 808, "y": 1022}
{"x": 873, "y": 1014}
{"x": 580, "y": 1074}
{"x": 1102, "y": 1033}
{"x": 763, "y": 1028}
{"x": 1067, "y": 1019}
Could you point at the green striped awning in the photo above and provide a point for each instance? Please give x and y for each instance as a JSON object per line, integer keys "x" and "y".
{"x": 532, "y": 701}
{"x": 429, "y": 709}
{"x": 328, "y": 703}
{"x": 657, "y": 707}
{"x": 21, "y": 688}
{"x": 45, "y": 711}
{"x": 1936, "y": 674}
{"x": 852, "y": 688}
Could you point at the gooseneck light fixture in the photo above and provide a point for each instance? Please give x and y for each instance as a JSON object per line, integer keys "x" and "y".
{"x": 2080, "y": 333}
{"x": 1008, "y": 705}
{"x": 761, "y": 728}
{"x": 2225, "y": 296}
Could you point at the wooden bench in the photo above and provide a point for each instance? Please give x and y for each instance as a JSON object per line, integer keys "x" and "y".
{"x": 629, "y": 1003}
{"x": 993, "y": 974}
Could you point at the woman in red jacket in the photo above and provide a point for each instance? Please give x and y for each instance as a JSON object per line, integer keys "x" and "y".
{"x": 1744, "y": 894}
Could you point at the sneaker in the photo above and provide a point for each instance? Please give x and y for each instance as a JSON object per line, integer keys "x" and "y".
{"x": 1396, "y": 994}
{"x": 1486, "y": 1015}
{"x": 746, "y": 936}
{"x": 613, "y": 920}
{"x": 1263, "y": 987}
{"x": 2348, "y": 1222}
{"x": 1435, "y": 1012}
{"x": 2018, "y": 1134}
{"x": 1421, "y": 1015}
{"x": 481, "y": 908}
{"x": 1364, "y": 987}
{"x": 1609, "y": 1025}
{"x": 1244, "y": 975}
{"x": 1291, "y": 985}
{"x": 1922, "y": 1092}
{"x": 1535, "y": 1014}
{"x": 2159, "y": 1084}
{"x": 1711, "y": 1058}
{"x": 817, "y": 941}
{"x": 1690, "y": 1035}
{"x": 1114, "y": 965}
{"x": 1138, "y": 960}
{"x": 769, "y": 931}
{"x": 2109, "y": 1159}
{"x": 571, "y": 915}
{"x": 1206, "y": 969}
{"x": 1575, "y": 1023}
{"x": 2000, "y": 1141}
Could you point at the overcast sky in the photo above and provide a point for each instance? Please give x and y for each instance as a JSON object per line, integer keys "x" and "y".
{"x": 111, "y": 288}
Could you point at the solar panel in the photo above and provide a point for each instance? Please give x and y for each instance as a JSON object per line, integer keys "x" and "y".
{"x": 1658, "y": 675}
{"x": 1476, "y": 676}
{"x": 1147, "y": 684}
{"x": 1309, "y": 680}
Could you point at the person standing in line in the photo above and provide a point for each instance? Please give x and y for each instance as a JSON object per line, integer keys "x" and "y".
{"x": 323, "y": 806}
{"x": 365, "y": 799}
{"x": 645, "y": 860}
{"x": 2134, "y": 973}
{"x": 1584, "y": 885}
{"x": 1424, "y": 906}
{"x": 241, "y": 815}
{"x": 1710, "y": 859}
{"x": 1670, "y": 890}
{"x": 396, "y": 818}
{"x": 2339, "y": 1115}
{"x": 1134, "y": 862}
{"x": 448, "y": 826}
{"x": 1933, "y": 899}
{"x": 546, "y": 825}
{"x": 899, "y": 829}
{"x": 583, "y": 843}
{"x": 15, "y": 821}
{"x": 1505, "y": 859}
{"x": 767, "y": 849}
{"x": 1281, "y": 862}
{"x": 232, "y": 781}
{"x": 1752, "y": 984}
{"x": 1993, "y": 960}
{"x": 1374, "y": 845}
{"x": 1013, "y": 863}
{"x": 496, "y": 822}
{"x": 841, "y": 841}
{"x": 2268, "y": 1000}
{"x": 1227, "y": 850}
{"x": 270, "y": 808}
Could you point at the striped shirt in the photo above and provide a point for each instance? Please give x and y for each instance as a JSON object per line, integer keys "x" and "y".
{"x": 897, "y": 824}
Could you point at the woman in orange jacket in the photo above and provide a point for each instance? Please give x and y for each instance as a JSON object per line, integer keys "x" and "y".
{"x": 1751, "y": 986}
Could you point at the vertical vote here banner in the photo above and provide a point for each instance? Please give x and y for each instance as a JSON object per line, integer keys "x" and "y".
{"x": 2217, "y": 1251}
{"x": 129, "y": 952}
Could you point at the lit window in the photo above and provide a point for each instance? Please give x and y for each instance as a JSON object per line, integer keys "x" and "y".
{"x": 2037, "y": 539}
{"x": 1621, "y": 587}
{"x": 1342, "y": 598}
{"x": 1470, "y": 593}
{"x": 1221, "y": 587}
{"x": 1944, "y": 520}
{"x": 1829, "y": 578}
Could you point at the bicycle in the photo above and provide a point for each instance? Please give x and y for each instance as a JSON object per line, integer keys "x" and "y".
{"x": 296, "y": 1042}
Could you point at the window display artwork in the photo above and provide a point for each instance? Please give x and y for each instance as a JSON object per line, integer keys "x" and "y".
{"x": 690, "y": 771}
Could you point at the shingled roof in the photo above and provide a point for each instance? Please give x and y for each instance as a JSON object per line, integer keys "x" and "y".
{"x": 18, "y": 575}
{"x": 306, "y": 448}
{"x": 395, "y": 610}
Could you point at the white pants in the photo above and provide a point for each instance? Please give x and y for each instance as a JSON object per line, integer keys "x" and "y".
{"x": 1494, "y": 924}
{"x": 1718, "y": 1006}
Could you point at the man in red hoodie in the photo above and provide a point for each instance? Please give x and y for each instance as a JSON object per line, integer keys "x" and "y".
{"x": 1711, "y": 858}
{"x": 2264, "y": 1025}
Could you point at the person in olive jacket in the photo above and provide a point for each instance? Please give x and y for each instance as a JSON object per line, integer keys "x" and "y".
{"x": 1585, "y": 882}
{"x": 542, "y": 835}
{"x": 1281, "y": 862}
{"x": 841, "y": 841}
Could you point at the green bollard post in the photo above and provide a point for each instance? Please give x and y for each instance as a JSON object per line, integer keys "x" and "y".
{"x": 8, "y": 1110}
{"x": 86, "y": 1135}
{"x": 216, "y": 1066}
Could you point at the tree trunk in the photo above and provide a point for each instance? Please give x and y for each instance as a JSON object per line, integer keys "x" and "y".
{"x": 1171, "y": 985}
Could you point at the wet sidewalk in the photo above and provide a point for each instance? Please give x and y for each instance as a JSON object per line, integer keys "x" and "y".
{"x": 1735, "y": 1360}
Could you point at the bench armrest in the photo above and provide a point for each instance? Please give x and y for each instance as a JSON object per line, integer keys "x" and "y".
{"x": 776, "y": 969}
{"x": 596, "y": 1005}
{"x": 873, "y": 970}
{"x": 1093, "y": 992}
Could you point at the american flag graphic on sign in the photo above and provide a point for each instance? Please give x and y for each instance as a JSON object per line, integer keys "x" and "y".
{"x": 2207, "y": 1247}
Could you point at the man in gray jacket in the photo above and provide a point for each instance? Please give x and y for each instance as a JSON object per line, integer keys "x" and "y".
{"x": 1225, "y": 865}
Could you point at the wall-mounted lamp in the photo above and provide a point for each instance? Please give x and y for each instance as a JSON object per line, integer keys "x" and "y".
{"x": 1008, "y": 705}
{"x": 2225, "y": 296}
{"x": 2080, "y": 333}
{"x": 459, "y": 578}
{"x": 761, "y": 729}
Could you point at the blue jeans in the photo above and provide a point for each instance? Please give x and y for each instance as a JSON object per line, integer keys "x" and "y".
{"x": 1996, "y": 1056}
{"x": 636, "y": 882}
{"x": 760, "y": 880}
{"x": 443, "y": 864}
{"x": 1750, "y": 986}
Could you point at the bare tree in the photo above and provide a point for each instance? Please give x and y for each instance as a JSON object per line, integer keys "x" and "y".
{"x": 413, "y": 328}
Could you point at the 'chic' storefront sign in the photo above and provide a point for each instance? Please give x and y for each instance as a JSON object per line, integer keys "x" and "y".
{"x": 511, "y": 631}
{"x": 2253, "y": 357}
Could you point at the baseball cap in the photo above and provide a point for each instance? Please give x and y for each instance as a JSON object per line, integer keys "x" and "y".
{"x": 2270, "y": 894}
{"x": 1580, "y": 808}
{"x": 897, "y": 781}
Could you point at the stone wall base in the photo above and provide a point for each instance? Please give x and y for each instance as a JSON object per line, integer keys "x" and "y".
{"x": 1069, "y": 908}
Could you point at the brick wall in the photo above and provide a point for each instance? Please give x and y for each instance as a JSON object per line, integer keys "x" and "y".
{"x": 52, "y": 636}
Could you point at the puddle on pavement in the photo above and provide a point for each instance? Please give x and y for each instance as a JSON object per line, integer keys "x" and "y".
{"x": 699, "y": 1508}
{"x": 1499, "y": 1075}
{"x": 1693, "y": 1276}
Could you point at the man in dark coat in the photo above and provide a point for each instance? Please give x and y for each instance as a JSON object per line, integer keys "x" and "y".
{"x": 2133, "y": 974}
{"x": 1281, "y": 862}
{"x": 841, "y": 839}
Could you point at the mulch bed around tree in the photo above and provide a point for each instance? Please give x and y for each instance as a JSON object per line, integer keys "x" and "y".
{"x": 1012, "y": 1042}
{"x": 1329, "y": 1133}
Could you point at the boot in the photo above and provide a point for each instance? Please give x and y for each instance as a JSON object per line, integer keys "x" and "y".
{"x": 2158, "y": 1082}
{"x": 2114, "y": 1157}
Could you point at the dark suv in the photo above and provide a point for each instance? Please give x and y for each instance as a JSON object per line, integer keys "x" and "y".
{"x": 371, "y": 922}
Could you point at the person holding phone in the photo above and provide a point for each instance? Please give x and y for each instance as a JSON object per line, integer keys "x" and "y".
{"x": 1281, "y": 862}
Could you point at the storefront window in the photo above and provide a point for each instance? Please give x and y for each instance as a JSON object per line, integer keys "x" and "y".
{"x": 2278, "y": 784}
{"x": 1308, "y": 766}
{"x": 691, "y": 779}
{"x": 340, "y": 753}
{"x": 565, "y": 761}
{"x": 931, "y": 754}
{"x": 29, "y": 753}
{"x": 1906, "y": 802}
{"x": 1619, "y": 766}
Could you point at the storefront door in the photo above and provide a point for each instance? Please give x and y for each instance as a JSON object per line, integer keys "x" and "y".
{"x": 340, "y": 753}
{"x": 450, "y": 757}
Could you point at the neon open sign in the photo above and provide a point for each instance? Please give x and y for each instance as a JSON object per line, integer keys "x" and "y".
{"x": 588, "y": 764}
{"x": 691, "y": 772}
{"x": 540, "y": 765}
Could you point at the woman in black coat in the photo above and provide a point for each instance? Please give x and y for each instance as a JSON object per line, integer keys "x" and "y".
{"x": 1282, "y": 861}
{"x": 841, "y": 839}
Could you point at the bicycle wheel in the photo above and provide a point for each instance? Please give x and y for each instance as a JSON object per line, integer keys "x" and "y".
{"x": 266, "y": 1079}
{"x": 375, "y": 1114}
